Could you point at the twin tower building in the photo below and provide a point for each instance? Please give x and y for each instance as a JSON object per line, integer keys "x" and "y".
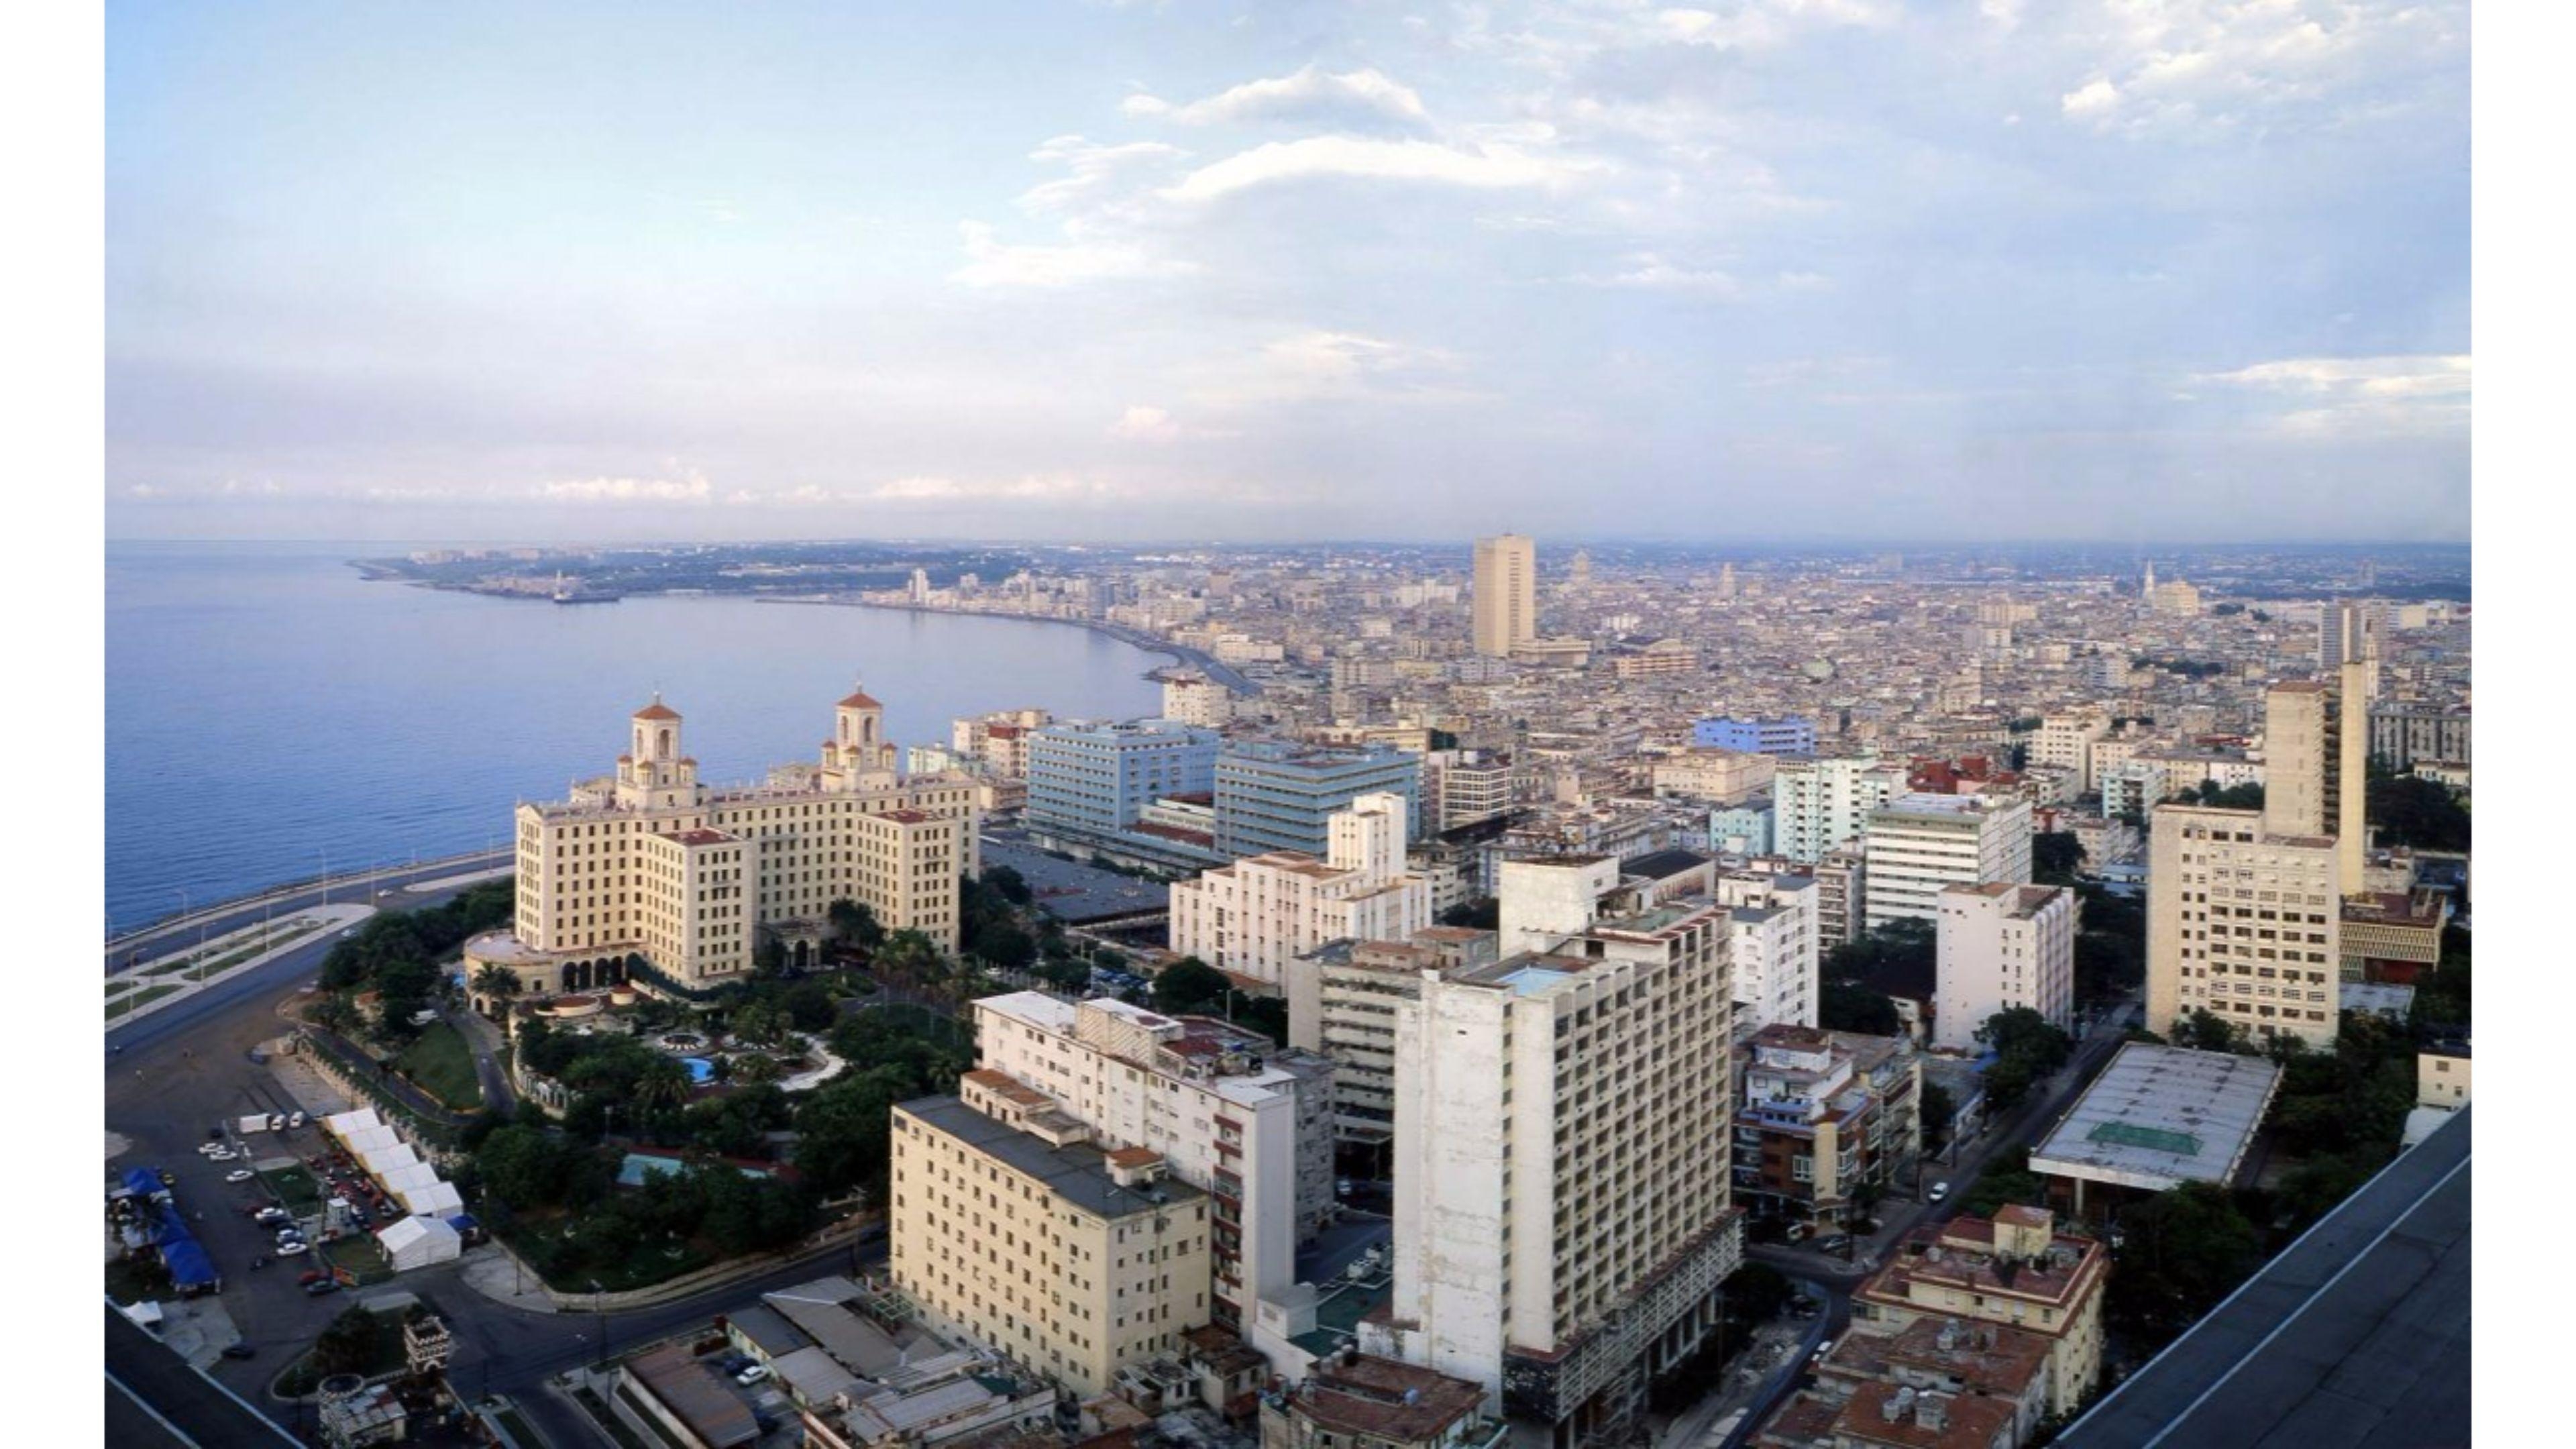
{"x": 647, "y": 864}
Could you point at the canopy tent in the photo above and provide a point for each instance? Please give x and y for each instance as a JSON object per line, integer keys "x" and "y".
{"x": 418, "y": 1242}
{"x": 409, "y": 1179}
{"x": 438, "y": 1197}
{"x": 372, "y": 1139}
{"x": 140, "y": 1181}
{"x": 344, "y": 1125}
{"x": 383, "y": 1162}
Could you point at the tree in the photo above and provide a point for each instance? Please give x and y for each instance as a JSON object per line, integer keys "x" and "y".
{"x": 2006, "y": 1180}
{"x": 349, "y": 1343}
{"x": 2422, "y": 813}
{"x": 1188, "y": 985}
{"x": 856, "y": 925}
{"x": 522, "y": 1166}
{"x": 769, "y": 958}
{"x": 810, "y": 1007}
{"x": 1013, "y": 886}
{"x": 1849, "y": 1006}
{"x": 843, "y": 1131}
{"x": 1006, "y": 946}
{"x": 1481, "y": 914}
{"x": 1938, "y": 1108}
{"x": 2055, "y": 856}
{"x": 2182, "y": 1251}
{"x": 2204, "y": 1031}
{"x": 756, "y": 1068}
{"x": 2027, "y": 1048}
{"x": 496, "y": 980}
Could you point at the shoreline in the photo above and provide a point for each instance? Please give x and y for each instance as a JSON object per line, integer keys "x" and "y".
{"x": 1181, "y": 654}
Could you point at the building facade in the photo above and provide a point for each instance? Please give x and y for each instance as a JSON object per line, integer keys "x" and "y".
{"x": 1010, "y": 1225}
{"x": 1826, "y": 1121}
{"x": 2015, "y": 1270}
{"x": 1096, "y": 778}
{"x": 651, "y": 864}
{"x": 1819, "y": 806}
{"x": 1505, "y": 606}
{"x": 1783, "y": 735}
{"x": 1253, "y": 917}
{"x": 1919, "y": 845}
{"x": 1272, "y": 796}
{"x": 2242, "y": 923}
{"x": 2003, "y": 946}
{"x": 1774, "y": 948}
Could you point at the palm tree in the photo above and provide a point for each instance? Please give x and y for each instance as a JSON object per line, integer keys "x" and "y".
{"x": 496, "y": 980}
{"x": 663, "y": 1084}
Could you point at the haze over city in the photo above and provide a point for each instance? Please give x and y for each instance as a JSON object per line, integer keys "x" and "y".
{"x": 2080, "y": 271}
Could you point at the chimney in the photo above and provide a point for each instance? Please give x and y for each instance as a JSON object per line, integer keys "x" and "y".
{"x": 1898, "y": 1405}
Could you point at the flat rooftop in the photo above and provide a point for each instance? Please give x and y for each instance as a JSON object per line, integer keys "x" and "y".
{"x": 2159, "y": 1116}
{"x": 1077, "y": 1173}
{"x": 2357, "y": 1335}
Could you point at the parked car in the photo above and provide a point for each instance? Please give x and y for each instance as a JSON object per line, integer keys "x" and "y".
{"x": 752, "y": 1375}
{"x": 240, "y": 1174}
{"x": 1822, "y": 1349}
{"x": 310, "y": 1275}
{"x": 1939, "y": 1191}
{"x": 1835, "y": 1244}
{"x": 316, "y": 1290}
{"x": 294, "y": 1119}
{"x": 222, "y": 1154}
{"x": 239, "y": 1350}
{"x": 289, "y": 1250}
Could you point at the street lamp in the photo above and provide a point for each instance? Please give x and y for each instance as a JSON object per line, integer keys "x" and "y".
{"x": 598, "y": 1303}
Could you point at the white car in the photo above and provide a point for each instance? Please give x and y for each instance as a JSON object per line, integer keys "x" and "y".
{"x": 240, "y": 1174}
{"x": 222, "y": 1154}
{"x": 209, "y": 1149}
{"x": 289, "y": 1250}
{"x": 1939, "y": 1191}
{"x": 295, "y": 1120}
{"x": 752, "y": 1375}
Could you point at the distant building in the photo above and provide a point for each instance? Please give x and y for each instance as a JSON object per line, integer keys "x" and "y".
{"x": 1505, "y": 608}
{"x": 1712, "y": 774}
{"x": 1096, "y": 778}
{"x": 1194, "y": 699}
{"x": 1655, "y": 660}
{"x": 1272, "y": 796}
{"x": 1740, "y": 829}
{"x": 2003, "y": 946}
{"x": 1784, "y": 735}
{"x": 2403, "y": 735}
{"x": 1823, "y": 805}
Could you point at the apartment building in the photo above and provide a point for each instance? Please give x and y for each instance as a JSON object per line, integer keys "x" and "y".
{"x": 1562, "y": 1219}
{"x": 2066, "y": 741}
{"x": 1461, "y": 787}
{"x": 1253, "y": 917}
{"x": 1010, "y": 1225}
{"x": 2002, "y": 946}
{"x": 1504, "y": 612}
{"x": 1774, "y": 947}
{"x": 1094, "y": 779}
{"x": 997, "y": 744}
{"x": 1825, "y": 1117}
{"x": 2243, "y": 923}
{"x": 1357, "y": 1399}
{"x": 1274, "y": 796}
{"x": 1916, "y": 845}
{"x": 2015, "y": 1270}
{"x": 2402, "y": 736}
{"x": 1234, "y": 1115}
{"x": 1783, "y": 735}
{"x": 1701, "y": 773}
{"x": 1822, "y": 805}
{"x": 1342, "y": 1001}
{"x": 649, "y": 862}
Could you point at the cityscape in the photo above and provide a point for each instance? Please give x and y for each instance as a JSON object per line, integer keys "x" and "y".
{"x": 1551, "y": 725}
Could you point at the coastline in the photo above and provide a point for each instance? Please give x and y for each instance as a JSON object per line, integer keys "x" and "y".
{"x": 1199, "y": 659}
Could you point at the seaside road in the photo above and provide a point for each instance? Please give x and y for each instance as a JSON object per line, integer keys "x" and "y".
{"x": 383, "y": 888}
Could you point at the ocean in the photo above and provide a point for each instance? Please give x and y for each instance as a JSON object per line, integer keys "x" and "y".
{"x": 270, "y": 713}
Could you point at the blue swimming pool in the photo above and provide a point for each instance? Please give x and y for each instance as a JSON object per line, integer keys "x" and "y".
{"x": 700, "y": 1069}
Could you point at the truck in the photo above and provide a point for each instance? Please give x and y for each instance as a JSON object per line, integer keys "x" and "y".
{"x": 255, "y": 1123}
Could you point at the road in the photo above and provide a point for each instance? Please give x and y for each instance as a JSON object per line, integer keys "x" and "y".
{"x": 162, "y": 937}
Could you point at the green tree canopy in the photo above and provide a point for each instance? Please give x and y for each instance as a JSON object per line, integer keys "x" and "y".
{"x": 1190, "y": 984}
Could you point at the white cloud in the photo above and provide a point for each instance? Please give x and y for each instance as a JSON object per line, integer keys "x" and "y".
{"x": 2341, "y": 396}
{"x": 991, "y": 263}
{"x": 2207, "y": 67}
{"x": 1143, "y": 424}
{"x": 1763, "y": 24}
{"x": 1322, "y": 364}
{"x": 1650, "y": 272}
{"x": 1310, "y": 93}
{"x": 689, "y": 488}
{"x": 1058, "y": 488}
{"x": 1350, "y": 156}
{"x": 1095, "y": 168}
{"x": 2095, "y": 98}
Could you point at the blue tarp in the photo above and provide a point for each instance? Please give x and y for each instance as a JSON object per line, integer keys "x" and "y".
{"x": 142, "y": 1180}
{"x": 463, "y": 1223}
{"x": 188, "y": 1264}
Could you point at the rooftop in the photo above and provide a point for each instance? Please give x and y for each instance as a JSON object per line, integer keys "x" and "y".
{"x": 2159, "y": 1116}
{"x": 1381, "y": 1398}
{"x": 1077, "y": 1173}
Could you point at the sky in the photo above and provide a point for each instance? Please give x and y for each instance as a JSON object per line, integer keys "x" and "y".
{"x": 2175, "y": 270}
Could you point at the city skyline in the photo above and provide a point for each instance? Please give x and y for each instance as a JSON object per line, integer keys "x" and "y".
{"x": 2158, "y": 276}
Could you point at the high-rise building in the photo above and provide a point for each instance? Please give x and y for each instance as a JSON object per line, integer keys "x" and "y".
{"x": 1272, "y": 796}
{"x": 2242, "y": 922}
{"x": 2003, "y": 946}
{"x": 1012, "y": 1224}
{"x": 1253, "y": 917}
{"x": 2348, "y": 630}
{"x": 1774, "y": 950}
{"x": 1562, "y": 1212}
{"x": 1098, "y": 777}
{"x": 1821, "y": 805}
{"x": 2316, "y": 760}
{"x": 1236, "y": 1116}
{"x": 1342, "y": 998}
{"x": 1917, "y": 845}
{"x": 1506, "y": 600}
{"x": 649, "y": 862}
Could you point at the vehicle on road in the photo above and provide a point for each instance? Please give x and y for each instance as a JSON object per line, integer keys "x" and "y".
{"x": 289, "y": 1250}
{"x": 1835, "y": 1244}
{"x": 240, "y": 1174}
{"x": 1822, "y": 1349}
{"x": 239, "y": 1350}
{"x": 1939, "y": 1191}
{"x": 752, "y": 1375}
{"x": 316, "y": 1290}
{"x": 310, "y": 1275}
{"x": 294, "y": 1119}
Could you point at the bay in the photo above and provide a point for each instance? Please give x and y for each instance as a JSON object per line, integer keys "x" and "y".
{"x": 270, "y": 711}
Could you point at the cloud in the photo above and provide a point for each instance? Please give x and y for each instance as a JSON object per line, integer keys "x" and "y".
{"x": 689, "y": 488}
{"x": 1498, "y": 167}
{"x": 2095, "y": 98}
{"x": 1650, "y": 272}
{"x": 2340, "y": 396}
{"x": 1095, "y": 169}
{"x": 1763, "y": 24}
{"x": 1322, "y": 364}
{"x": 1054, "y": 488}
{"x": 1311, "y": 94}
{"x": 2203, "y": 68}
{"x": 1145, "y": 425}
{"x": 991, "y": 263}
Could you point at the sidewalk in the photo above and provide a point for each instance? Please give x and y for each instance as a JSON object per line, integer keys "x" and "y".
{"x": 332, "y": 920}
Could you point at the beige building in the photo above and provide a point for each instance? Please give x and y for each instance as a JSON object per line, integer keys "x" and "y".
{"x": 2067, "y": 740}
{"x": 1562, "y": 1213}
{"x": 2015, "y": 1270}
{"x": 2003, "y": 946}
{"x": 1192, "y": 698}
{"x": 650, "y": 862}
{"x": 998, "y": 743}
{"x": 1505, "y": 609}
{"x": 1247, "y": 1123}
{"x": 2242, "y": 922}
{"x": 2442, "y": 1076}
{"x": 1012, "y": 1227}
{"x": 1713, "y": 774}
{"x": 1255, "y": 916}
{"x": 1356, "y": 1401}
{"x": 1919, "y": 845}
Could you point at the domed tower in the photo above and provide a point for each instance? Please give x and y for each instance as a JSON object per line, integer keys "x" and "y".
{"x": 653, "y": 772}
{"x": 858, "y": 755}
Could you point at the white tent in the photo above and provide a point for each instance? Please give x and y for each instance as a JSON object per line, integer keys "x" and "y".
{"x": 371, "y": 1139}
{"x": 384, "y": 1162}
{"x": 418, "y": 1242}
{"x": 410, "y": 1179}
{"x": 437, "y": 1197}
{"x": 344, "y": 1124}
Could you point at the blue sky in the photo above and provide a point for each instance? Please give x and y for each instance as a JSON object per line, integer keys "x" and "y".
{"x": 1784, "y": 269}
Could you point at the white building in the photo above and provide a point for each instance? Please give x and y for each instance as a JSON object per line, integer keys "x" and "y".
{"x": 1917, "y": 844}
{"x": 1541, "y": 901}
{"x": 1249, "y": 1123}
{"x": 1253, "y": 917}
{"x": 1819, "y": 805}
{"x": 1193, "y": 698}
{"x": 1562, "y": 1182}
{"x": 2243, "y": 923}
{"x": 2066, "y": 741}
{"x": 1774, "y": 948}
{"x": 2002, "y": 946}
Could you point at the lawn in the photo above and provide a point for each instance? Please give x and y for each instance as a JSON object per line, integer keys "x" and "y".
{"x": 294, "y": 1187}
{"x": 123, "y": 1004}
{"x": 300, "y": 1377}
{"x": 114, "y": 987}
{"x": 360, "y": 1255}
{"x": 569, "y": 1268}
{"x": 441, "y": 1064}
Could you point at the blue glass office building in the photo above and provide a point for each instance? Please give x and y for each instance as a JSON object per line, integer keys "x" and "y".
{"x": 1283, "y": 796}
